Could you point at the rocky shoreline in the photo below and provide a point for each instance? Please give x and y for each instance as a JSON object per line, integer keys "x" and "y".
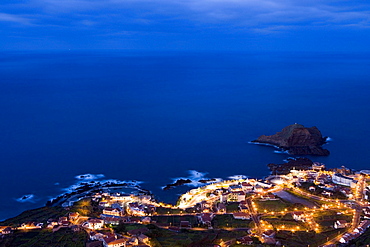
{"x": 297, "y": 140}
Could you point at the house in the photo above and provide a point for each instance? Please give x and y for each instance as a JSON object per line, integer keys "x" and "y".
{"x": 96, "y": 236}
{"x": 132, "y": 242}
{"x": 122, "y": 197}
{"x": 345, "y": 238}
{"x": 143, "y": 239}
{"x": 146, "y": 220}
{"x": 322, "y": 178}
{"x": 185, "y": 224}
{"x": 117, "y": 243}
{"x": 247, "y": 187}
{"x": 135, "y": 209}
{"x": 64, "y": 223}
{"x": 204, "y": 206}
{"x": 52, "y": 224}
{"x": 359, "y": 230}
{"x": 224, "y": 196}
{"x": 31, "y": 225}
{"x": 235, "y": 187}
{"x": 109, "y": 238}
{"x": 327, "y": 193}
{"x": 241, "y": 216}
{"x": 4, "y": 230}
{"x": 318, "y": 166}
{"x": 346, "y": 191}
{"x": 94, "y": 224}
{"x": 61, "y": 219}
{"x": 236, "y": 196}
{"x": 298, "y": 216}
{"x": 73, "y": 215}
{"x": 111, "y": 220}
{"x": 205, "y": 218}
{"x": 112, "y": 211}
{"x": 246, "y": 240}
{"x": 268, "y": 237}
{"x": 366, "y": 212}
{"x": 340, "y": 224}
{"x": 363, "y": 226}
{"x": 105, "y": 238}
{"x": 268, "y": 197}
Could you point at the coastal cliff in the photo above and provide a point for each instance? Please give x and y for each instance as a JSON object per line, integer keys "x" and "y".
{"x": 297, "y": 140}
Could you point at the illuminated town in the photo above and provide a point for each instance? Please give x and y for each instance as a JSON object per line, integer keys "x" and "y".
{"x": 307, "y": 207}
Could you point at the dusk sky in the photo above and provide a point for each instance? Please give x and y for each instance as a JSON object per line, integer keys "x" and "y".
{"x": 235, "y": 25}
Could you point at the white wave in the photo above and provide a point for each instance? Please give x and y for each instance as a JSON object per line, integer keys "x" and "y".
{"x": 93, "y": 181}
{"x": 133, "y": 183}
{"x": 236, "y": 177}
{"x": 263, "y": 144}
{"x": 289, "y": 159}
{"x": 195, "y": 177}
{"x": 26, "y": 198}
{"x": 329, "y": 139}
{"x": 89, "y": 176}
{"x": 281, "y": 152}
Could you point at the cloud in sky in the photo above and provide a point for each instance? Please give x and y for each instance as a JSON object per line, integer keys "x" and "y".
{"x": 143, "y": 17}
{"x": 246, "y": 13}
{"x": 4, "y": 17}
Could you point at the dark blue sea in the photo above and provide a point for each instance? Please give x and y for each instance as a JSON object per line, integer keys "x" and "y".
{"x": 153, "y": 117}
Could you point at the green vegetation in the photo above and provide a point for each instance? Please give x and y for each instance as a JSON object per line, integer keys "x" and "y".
{"x": 86, "y": 207}
{"x": 288, "y": 224}
{"x": 227, "y": 220}
{"x": 303, "y": 238}
{"x": 169, "y": 211}
{"x": 363, "y": 240}
{"x": 272, "y": 206}
{"x": 185, "y": 238}
{"x": 36, "y": 215}
{"x": 327, "y": 218}
{"x": 175, "y": 220}
{"x": 232, "y": 207}
{"x": 45, "y": 238}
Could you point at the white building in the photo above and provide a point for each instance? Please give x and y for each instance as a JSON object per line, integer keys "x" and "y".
{"x": 343, "y": 180}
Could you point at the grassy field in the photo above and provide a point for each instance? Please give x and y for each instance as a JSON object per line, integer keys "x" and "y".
{"x": 175, "y": 220}
{"x": 269, "y": 206}
{"x": 187, "y": 238}
{"x": 232, "y": 207}
{"x": 228, "y": 221}
{"x": 327, "y": 218}
{"x": 303, "y": 238}
{"x": 37, "y": 215}
{"x": 45, "y": 238}
{"x": 294, "y": 225}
